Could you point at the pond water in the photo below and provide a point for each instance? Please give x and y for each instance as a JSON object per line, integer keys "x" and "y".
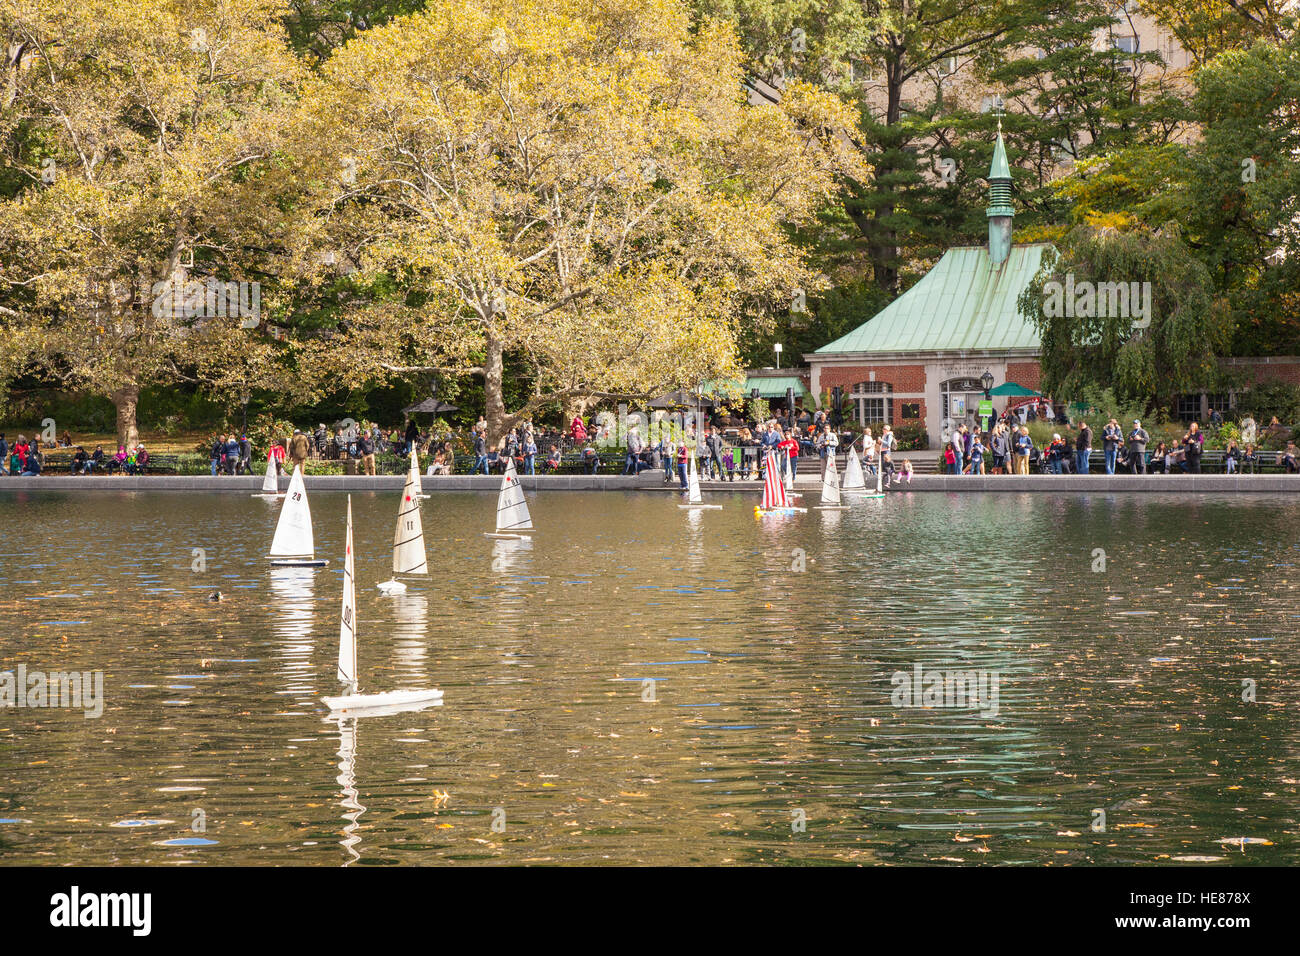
{"x": 770, "y": 732}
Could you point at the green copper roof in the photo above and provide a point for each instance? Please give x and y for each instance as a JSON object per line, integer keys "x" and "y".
{"x": 769, "y": 386}
{"x": 774, "y": 387}
{"x": 961, "y": 304}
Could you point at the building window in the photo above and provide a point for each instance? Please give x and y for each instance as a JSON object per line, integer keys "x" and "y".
{"x": 872, "y": 402}
{"x": 909, "y": 410}
{"x": 1189, "y": 407}
{"x": 948, "y": 66}
{"x": 1222, "y": 402}
{"x": 1128, "y": 44}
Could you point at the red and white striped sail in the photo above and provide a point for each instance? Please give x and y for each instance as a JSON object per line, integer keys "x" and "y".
{"x": 773, "y": 491}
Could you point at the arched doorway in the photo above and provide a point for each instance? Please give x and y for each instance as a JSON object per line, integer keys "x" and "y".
{"x": 961, "y": 403}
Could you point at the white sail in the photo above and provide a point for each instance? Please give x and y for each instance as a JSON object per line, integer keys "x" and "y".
{"x": 268, "y": 483}
{"x": 693, "y": 484}
{"x": 409, "y": 556}
{"x": 293, "y": 537}
{"x": 348, "y": 621}
{"x": 830, "y": 481}
{"x": 415, "y": 474}
{"x": 854, "y": 479}
{"x": 512, "y": 509}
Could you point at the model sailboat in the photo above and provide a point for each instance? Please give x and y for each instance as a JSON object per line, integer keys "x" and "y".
{"x": 831, "y": 487}
{"x": 693, "y": 497}
{"x": 351, "y": 701}
{"x": 293, "y": 544}
{"x": 409, "y": 556}
{"x": 269, "y": 487}
{"x": 880, "y": 473}
{"x": 775, "y": 501}
{"x": 513, "y": 519}
{"x": 855, "y": 481}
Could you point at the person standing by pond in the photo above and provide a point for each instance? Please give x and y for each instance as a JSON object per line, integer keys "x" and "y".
{"x": 976, "y": 466}
{"x": 1111, "y": 437}
{"x": 634, "y": 446}
{"x": 365, "y": 451}
{"x": 231, "y": 454}
{"x": 716, "y": 447}
{"x": 530, "y": 449}
{"x": 1137, "y": 448}
{"x": 299, "y": 449}
{"x": 827, "y": 445}
{"x": 4, "y": 455}
{"x": 681, "y": 465}
{"x": 218, "y": 450}
{"x": 1082, "y": 448}
{"x": 958, "y": 442}
{"x": 480, "y": 452}
{"x": 1024, "y": 447}
{"x": 1001, "y": 449}
{"x": 1194, "y": 444}
{"x": 788, "y": 448}
{"x": 869, "y": 451}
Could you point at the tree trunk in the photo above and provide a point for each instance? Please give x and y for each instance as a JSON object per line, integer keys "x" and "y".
{"x": 495, "y": 411}
{"x": 126, "y": 399}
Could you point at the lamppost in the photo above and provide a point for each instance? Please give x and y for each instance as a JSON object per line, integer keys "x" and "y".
{"x": 778, "y": 348}
{"x": 987, "y": 381}
{"x": 244, "y": 398}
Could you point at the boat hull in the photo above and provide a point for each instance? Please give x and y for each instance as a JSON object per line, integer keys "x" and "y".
{"x": 781, "y": 511}
{"x": 299, "y": 562}
{"x": 697, "y": 507}
{"x": 501, "y": 534}
{"x": 393, "y": 699}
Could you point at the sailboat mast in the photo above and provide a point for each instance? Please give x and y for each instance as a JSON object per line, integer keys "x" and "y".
{"x": 348, "y": 622}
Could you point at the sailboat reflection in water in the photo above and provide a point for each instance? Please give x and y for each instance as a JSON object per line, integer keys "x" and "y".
{"x": 347, "y": 779}
{"x": 293, "y": 594}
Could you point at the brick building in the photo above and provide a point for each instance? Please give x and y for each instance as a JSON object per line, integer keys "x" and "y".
{"x": 921, "y": 358}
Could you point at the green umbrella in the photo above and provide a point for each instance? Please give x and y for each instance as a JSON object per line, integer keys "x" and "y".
{"x": 1012, "y": 390}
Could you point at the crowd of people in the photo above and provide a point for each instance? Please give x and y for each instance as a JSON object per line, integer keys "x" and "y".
{"x": 738, "y": 454}
{"x": 1009, "y": 449}
{"x": 24, "y": 457}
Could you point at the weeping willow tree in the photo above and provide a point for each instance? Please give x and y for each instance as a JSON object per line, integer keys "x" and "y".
{"x": 1134, "y": 312}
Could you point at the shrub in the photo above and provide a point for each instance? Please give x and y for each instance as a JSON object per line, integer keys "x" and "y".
{"x": 1261, "y": 402}
{"x": 911, "y": 436}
